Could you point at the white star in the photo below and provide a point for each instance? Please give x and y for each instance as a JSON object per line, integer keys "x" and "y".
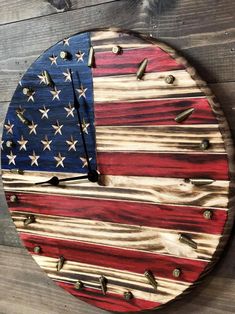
{"x": 85, "y": 126}
{"x": 72, "y": 143}
{"x": 21, "y": 110}
{"x": 84, "y": 162}
{"x": 59, "y": 160}
{"x": 2, "y": 144}
{"x": 30, "y": 97}
{"x": 80, "y": 55}
{"x": 53, "y": 59}
{"x": 69, "y": 110}
{"x": 11, "y": 158}
{"x": 81, "y": 91}
{"x": 34, "y": 159}
{"x": 32, "y": 128}
{"x": 66, "y": 41}
{"x": 46, "y": 143}
{"x": 9, "y": 127}
{"x": 67, "y": 76}
{"x": 55, "y": 93}
{"x": 57, "y": 127}
{"x": 44, "y": 112}
{"x": 42, "y": 78}
{"x": 22, "y": 143}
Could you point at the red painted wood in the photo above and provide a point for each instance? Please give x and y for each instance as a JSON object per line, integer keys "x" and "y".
{"x": 116, "y": 258}
{"x": 109, "y": 302}
{"x": 186, "y": 218}
{"x": 198, "y": 165}
{"x": 108, "y": 63}
{"x": 153, "y": 112}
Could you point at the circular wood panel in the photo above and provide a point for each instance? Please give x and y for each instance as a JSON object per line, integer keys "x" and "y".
{"x": 160, "y": 212}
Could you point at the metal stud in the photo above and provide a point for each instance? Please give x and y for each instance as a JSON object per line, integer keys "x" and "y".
{"x": 22, "y": 118}
{"x": 37, "y": 249}
{"x": 17, "y": 171}
{"x": 28, "y": 91}
{"x": 128, "y": 295}
{"x": 205, "y": 144}
{"x": 169, "y": 79}
{"x": 9, "y": 144}
{"x": 103, "y": 284}
{"x": 14, "y": 199}
{"x": 60, "y": 263}
{"x": 184, "y": 115}
{"x": 91, "y": 57}
{"x": 79, "y": 285}
{"x": 116, "y": 50}
{"x": 176, "y": 273}
{"x": 29, "y": 220}
{"x": 200, "y": 182}
{"x": 187, "y": 240}
{"x": 141, "y": 70}
{"x": 207, "y": 214}
{"x": 149, "y": 275}
{"x": 65, "y": 55}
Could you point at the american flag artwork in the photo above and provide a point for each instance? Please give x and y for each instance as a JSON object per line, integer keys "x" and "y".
{"x": 160, "y": 213}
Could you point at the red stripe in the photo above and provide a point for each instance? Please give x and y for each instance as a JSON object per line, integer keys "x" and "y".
{"x": 153, "y": 112}
{"x": 150, "y": 215}
{"x": 107, "y": 63}
{"x": 110, "y": 301}
{"x": 116, "y": 258}
{"x": 201, "y": 165}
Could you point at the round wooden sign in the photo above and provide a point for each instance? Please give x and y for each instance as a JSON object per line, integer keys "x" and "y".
{"x": 117, "y": 170}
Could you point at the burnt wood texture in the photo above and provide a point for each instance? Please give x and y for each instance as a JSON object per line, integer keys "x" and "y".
{"x": 157, "y": 18}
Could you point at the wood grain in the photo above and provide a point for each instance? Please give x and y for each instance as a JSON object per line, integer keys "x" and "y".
{"x": 153, "y": 86}
{"x": 184, "y": 218}
{"x": 132, "y": 188}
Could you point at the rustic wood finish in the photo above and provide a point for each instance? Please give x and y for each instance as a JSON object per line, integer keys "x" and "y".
{"x": 206, "y": 39}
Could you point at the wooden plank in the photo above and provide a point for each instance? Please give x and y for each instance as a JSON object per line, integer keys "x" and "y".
{"x": 128, "y": 88}
{"x": 153, "y": 112}
{"x": 155, "y": 240}
{"x": 143, "y": 214}
{"x": 115, "y": 258}
{"x": 181, "y": 138}
{"x": 126, "y": 188}
{"x": 22, "y": 9}
{"x": 118, "y": 283}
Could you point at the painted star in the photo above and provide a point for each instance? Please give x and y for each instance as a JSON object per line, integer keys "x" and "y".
{"x": 46, "y": 143}
{"x": 44, "y": 112}
{"x": 32, "y": 128}
{"x": 69, "y": 110}
{"x": 66, "y": 41}
{"x": 57, "y": 127}
{"x": 59, "y": 160}
{"x": 34, "y": 159}
{"x": 67, "y": 76}
{"x": 55, "y": 93}
{"x": 11, "y": 158}
{"x": 81, "y": 91}
{"x": 42, "y": 78}
{"x": 53, "y": 59}
{"x": 9, "y": 127}
{"x": 85, "y": 126}
{"x": 22, "y": 143}
{"x": 84, "y": 162}
{"x": 30, "y": 97}
{"x": 21, "y": 110}
{"x": 79, "y": 55}
{"x": 2, "y": 142}
{"x": 72, "y": 143}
